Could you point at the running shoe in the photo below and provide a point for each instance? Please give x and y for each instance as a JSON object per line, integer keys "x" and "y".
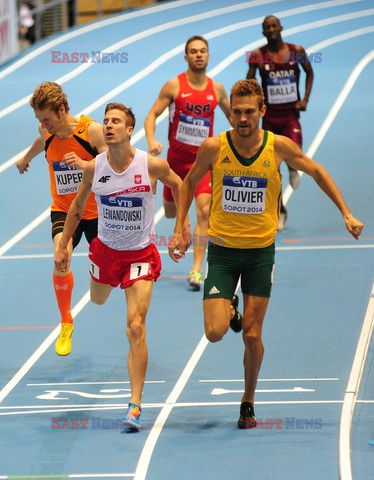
{"x": 236, "y": 321}
{"x": 247, "y": 417}
{"x": 282, "y": 221}
{"x": 63, "y": 344}
{"x": 132, "y": 418}
{"x": 294, "y": 178}
{"x": 194, "y": 280}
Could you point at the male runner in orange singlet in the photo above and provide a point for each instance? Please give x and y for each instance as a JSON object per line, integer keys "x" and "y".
{"x": 69, "y": 143}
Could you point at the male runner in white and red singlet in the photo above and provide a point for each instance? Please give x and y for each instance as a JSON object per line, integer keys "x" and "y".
{"x": 123, "y": 180}
{"x": 191, "y": 98}
{"x": 278, "y": 64}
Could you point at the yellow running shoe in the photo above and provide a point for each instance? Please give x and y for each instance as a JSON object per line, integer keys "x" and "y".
{"x": 63, "y": 343}
{"x": 194, "y": 280}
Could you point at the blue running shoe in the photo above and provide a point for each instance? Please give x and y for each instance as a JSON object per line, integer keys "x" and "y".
{"x": 132, "y": 418}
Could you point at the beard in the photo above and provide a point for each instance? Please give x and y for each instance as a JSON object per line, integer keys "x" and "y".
{"x": 198, "y": 68}
{"x": 244, "y": 133}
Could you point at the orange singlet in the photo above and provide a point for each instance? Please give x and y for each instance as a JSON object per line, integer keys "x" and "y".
{"x": 64, "y": 181}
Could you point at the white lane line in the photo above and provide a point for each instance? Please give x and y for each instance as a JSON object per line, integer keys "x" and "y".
{"x": 36, "y": 256}
{"x": 258, "y": 402}
{"x": 165, "y": 252}
{"x": 35, "y": 223}
{"x": 40, "y": 350}
{"x": 342, "y": 37}
{"x": 224, "y": 391}
{"x": 146, "y": 454}
{"x": 87, "y": 383}
{"x": 59, "y": 476}
{"x": 339, "y": 102}
{"x": 25, "y": 231}
{"x": 314, "y": 379}
{"x": 89, "y": 28}
{"x": 309, "y": 248}
{"x": 9, "y": 163}
{"x": 35, "y": 410}
{"x": 75, "y": 405}
{"x": 221, "y": 66}
{"x": 134, "y": 38}
{"x": 94, "y": 475}
{"x": 345, "y": 467}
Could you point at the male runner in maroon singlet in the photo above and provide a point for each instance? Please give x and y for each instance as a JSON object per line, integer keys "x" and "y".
{"x": 278, "y": 64}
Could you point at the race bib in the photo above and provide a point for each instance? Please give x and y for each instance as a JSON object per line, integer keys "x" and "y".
{"x": 281, "y": 90}
{"x": 94, "y": 269}
{"x": 192, "y": 130}
{"x": 244, "y": 194}
{"x": 139, "y": 270}
{"x": 122, "y": 213}
{"x": 67, "y": 179}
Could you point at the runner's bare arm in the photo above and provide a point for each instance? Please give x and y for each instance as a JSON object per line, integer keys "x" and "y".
{"x": 253, "y": 64}
{"x": 166, "y": 96}
{"x": 307, "y": 67}
{"x": 37, "y": 147}
{"x": 159, "y": 169}
{"x": 287, "y": 150}
{"x": 206, "y": 158}
{"x": 74, "y": 216}
{"x": 223, "y": 100}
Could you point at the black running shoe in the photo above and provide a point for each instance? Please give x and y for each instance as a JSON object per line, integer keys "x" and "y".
{"x": 247, "y": 417}
{"x": 236, "y": 321}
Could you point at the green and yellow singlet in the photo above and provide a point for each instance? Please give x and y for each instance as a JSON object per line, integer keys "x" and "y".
{"x": 245, "y": 196}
